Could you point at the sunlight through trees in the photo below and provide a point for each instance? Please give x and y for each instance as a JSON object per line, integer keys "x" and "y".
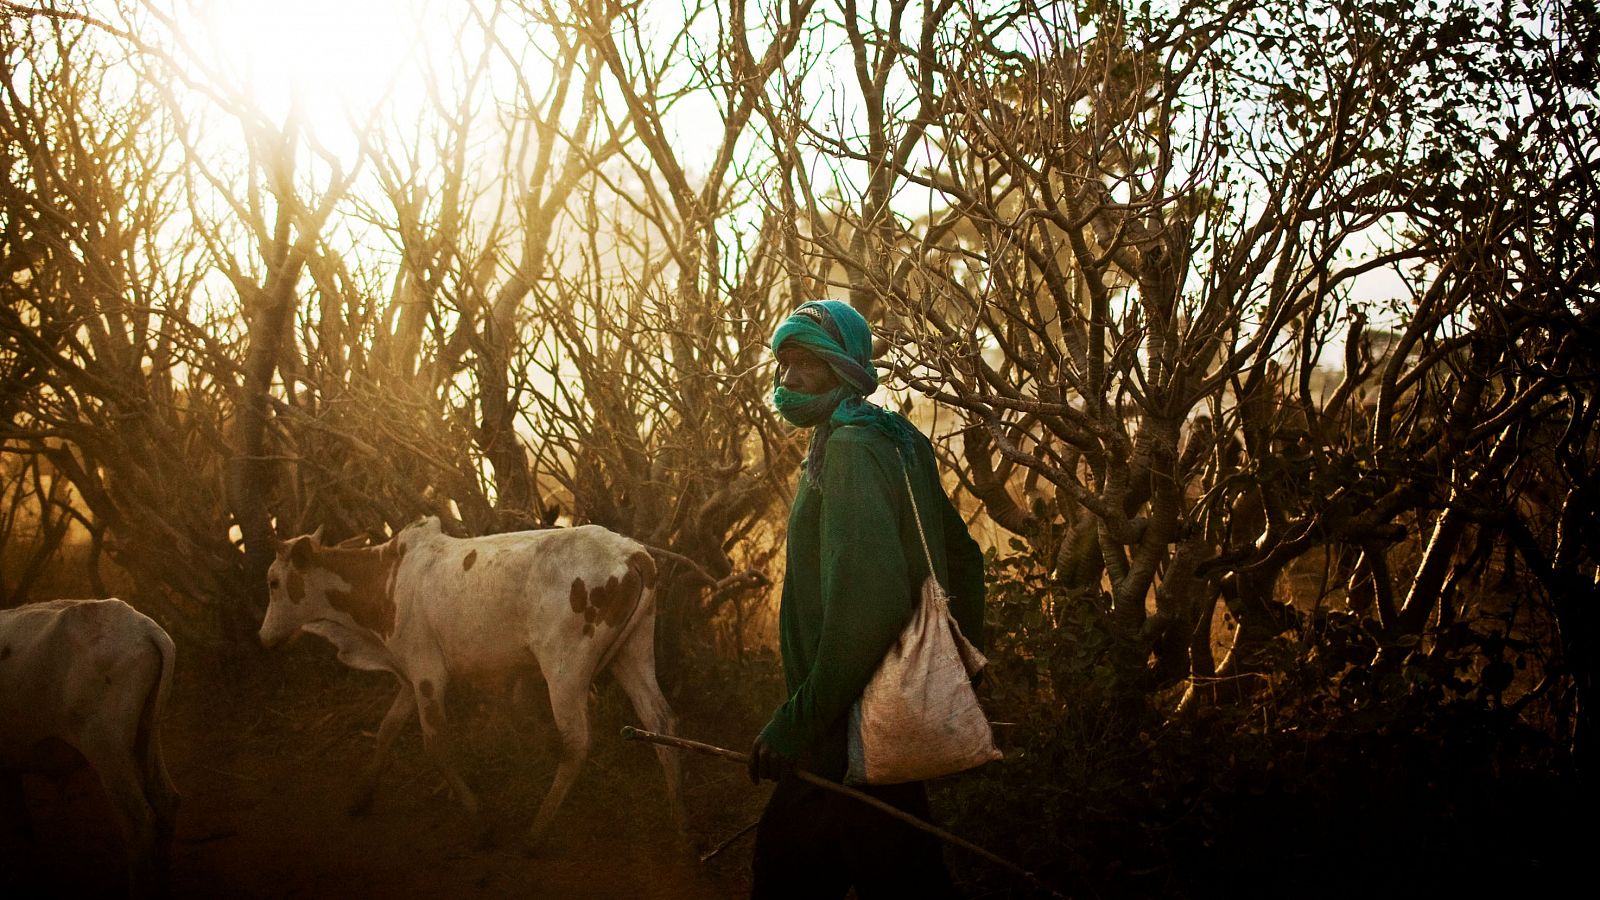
{"x": 1260, "y": 334}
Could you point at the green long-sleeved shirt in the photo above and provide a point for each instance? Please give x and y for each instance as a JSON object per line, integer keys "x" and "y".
{"x": 855, "y": 569}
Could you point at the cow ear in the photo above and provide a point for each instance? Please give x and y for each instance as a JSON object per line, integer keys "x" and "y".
{"x": 280, "y": 547}
{"x": 300, "y": 551}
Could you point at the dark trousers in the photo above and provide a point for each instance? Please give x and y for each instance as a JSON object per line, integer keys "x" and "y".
{"x": 813, "y": 843}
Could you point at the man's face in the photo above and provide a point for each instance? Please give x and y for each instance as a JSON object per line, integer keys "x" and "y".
{"x": 801, "y": 370}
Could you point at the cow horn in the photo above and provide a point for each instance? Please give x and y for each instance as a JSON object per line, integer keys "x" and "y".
{"x": 316, "y": 536}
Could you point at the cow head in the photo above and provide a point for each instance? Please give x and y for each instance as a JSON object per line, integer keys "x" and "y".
{"x": 313, "y": 587}
{"x": 295, "y": 594}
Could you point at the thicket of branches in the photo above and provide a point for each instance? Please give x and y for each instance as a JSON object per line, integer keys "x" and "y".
{"x": 1266, "y": 328}
{"x": 510, "y": 309}
{"x": 1138, "y": 279}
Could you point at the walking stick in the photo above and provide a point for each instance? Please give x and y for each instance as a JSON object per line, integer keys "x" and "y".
{"x": 629, "y": 733}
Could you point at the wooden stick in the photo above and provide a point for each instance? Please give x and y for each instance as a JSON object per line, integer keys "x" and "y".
{"x": 629, "y": 733}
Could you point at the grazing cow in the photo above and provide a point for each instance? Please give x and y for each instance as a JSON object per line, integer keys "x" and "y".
{"x": 86, "y": 681}
{"x": 429, "y": 607}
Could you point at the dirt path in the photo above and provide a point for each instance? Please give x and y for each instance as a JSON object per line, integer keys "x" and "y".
{"x": 265, "y": 772}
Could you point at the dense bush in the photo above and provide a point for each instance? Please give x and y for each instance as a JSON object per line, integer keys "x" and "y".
{"x": 1320, "y": 778}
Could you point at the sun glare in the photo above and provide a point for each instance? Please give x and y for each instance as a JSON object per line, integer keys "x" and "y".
{"x": 336, "y": 61}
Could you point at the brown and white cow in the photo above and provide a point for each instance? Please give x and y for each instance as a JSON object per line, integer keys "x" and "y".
{"x": 429, "y": 607}
{"x": 86, "y": 681}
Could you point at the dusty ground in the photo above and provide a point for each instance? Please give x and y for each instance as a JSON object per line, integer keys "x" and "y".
{"x": 265, "y": 765}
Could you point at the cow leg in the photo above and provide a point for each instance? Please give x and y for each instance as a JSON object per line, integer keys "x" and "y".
{"x": 400, "y": 712}
{"x": 635, "y": 669}
{"x": 436, "y": 740}
{"x": 17, "y": 839}
{"x": 569, "y": 706}
{"x": 14, "y": 806}
{"x": 124, "y": 786}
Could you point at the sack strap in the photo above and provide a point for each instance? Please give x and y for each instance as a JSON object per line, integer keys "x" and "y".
{"x": 971, "y": 658}
{"x": 905, "y": 471}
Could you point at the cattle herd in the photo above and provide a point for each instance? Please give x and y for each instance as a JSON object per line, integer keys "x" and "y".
{"x": 84, "y": 681}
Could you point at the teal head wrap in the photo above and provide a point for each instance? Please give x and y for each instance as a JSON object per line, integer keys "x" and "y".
{"x": 839, "y": 336}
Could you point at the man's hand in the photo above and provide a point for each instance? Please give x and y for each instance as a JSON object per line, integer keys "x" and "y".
{"x": 766, "y": 762}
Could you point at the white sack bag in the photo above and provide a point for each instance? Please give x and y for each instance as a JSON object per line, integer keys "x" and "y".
{"x": 919, "y": 717}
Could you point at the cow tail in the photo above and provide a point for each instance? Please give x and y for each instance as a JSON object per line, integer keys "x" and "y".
{"x": 155, "y": 704}
{"x": 642, "y": 570}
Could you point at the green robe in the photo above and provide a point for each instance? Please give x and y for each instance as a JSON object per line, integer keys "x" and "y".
{"x": 855, "y": 568}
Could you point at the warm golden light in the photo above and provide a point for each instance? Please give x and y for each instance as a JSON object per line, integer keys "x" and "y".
{"x": 336, "y": 63}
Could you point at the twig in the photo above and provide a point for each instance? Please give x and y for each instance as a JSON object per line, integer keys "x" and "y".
{"x": 629, "y": 733}
{"x": 719, "y": 586}
{"x": 706, "y": 857}
{"x": 693, "y": 566}
{"x": 17, "y": 10}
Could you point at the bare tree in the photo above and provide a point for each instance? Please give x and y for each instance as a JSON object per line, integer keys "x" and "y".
{"x": 109, "y": 375}
{"x": 1132, "y": 250}
{"x": 473, "y": 316}
{"x": 1137, "y": 265}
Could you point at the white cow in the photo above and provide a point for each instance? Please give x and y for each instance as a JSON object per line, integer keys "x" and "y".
{"x": 86, "y": 681}
{"x": 428, "y": 607}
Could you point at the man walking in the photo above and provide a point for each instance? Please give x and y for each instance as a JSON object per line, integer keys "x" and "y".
{"x": 854, "y": 569}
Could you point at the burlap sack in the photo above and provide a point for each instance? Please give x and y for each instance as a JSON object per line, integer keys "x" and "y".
{"x": 919, "y": 717}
